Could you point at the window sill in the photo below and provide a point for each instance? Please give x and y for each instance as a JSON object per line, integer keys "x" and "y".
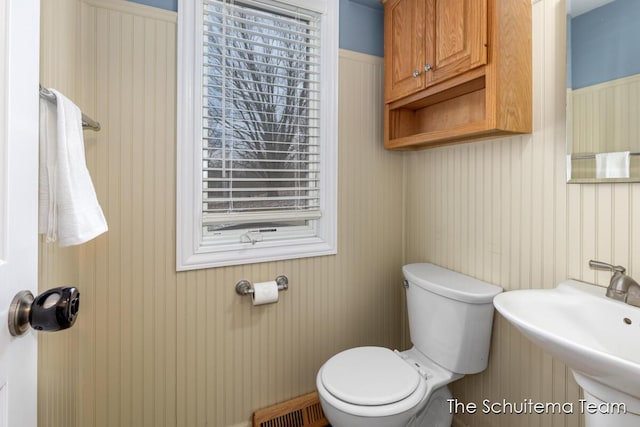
{"x": 207, "y": 257}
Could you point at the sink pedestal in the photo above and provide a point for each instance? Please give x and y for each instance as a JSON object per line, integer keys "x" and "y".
{"x": 603, "y": 419}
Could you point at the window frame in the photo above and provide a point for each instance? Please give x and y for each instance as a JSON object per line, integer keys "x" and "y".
{"x": 193, "y": 249}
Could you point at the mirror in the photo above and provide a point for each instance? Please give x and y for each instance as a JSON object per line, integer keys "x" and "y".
{"x": 603, "y": 91}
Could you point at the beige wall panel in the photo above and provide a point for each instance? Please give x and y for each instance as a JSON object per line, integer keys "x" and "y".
{"x": 501, "y": 211}
{"x": 604, "y": 119}
{"x": 605, "y": 116}
{"x": 58, "y": 353}
{"x": 157, "y": 348}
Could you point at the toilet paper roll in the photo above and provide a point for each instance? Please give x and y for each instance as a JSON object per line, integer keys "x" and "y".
{"x": 265, "y": 293}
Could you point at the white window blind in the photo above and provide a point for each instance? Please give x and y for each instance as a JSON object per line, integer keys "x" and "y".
{"x": 261, "y": 111}
{"x": 257, "y": 132}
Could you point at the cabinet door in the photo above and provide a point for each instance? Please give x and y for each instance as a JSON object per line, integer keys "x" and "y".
{"x": 404, "y": 47}
{"x": 456, "y": 38}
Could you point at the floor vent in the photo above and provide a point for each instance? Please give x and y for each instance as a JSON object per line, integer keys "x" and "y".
{"x": 303, "y": 411}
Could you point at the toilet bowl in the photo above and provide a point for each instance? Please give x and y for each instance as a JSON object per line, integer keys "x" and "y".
{"x": 450, "y": 318}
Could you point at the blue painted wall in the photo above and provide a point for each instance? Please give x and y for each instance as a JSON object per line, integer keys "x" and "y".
{"x": 361, "y": 23}
{"x": 162, "y": 4}
{"x": 605, "y": 43}
{"x": 362, "y": 26}
{"x": 569, "y": 53}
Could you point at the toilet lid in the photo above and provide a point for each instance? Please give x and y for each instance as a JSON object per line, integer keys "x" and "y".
{"x": 369, "y": 376}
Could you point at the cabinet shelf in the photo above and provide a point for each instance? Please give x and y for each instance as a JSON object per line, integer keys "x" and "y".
{"x": 470, "y": 102}
{"x": 459, "y": 134}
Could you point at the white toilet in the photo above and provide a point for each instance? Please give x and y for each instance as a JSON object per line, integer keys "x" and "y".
{"x": 450, "y": 319}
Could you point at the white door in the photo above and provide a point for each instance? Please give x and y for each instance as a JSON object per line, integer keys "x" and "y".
{"x": 19, "y": 52}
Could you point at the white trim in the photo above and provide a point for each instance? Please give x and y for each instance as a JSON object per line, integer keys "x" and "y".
{"x": 18, "y": 364}
{"x": 4, "y": 26}
{"x": 608, "y": 84}
{"x": 185, "y": 218}
{"x": 191, "y": 250}
{"x": 135, "y": 9}
{"x": 281, "y": 250}
{"x": 318, "y": 6}
{"x": 4, "y": 403}
{"x": 361, "y": 57}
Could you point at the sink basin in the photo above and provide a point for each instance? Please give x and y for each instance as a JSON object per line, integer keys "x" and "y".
{"x": 597, "y": 337}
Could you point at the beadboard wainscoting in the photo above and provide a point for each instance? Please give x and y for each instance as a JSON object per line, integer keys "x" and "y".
{"x": 604, "y": 118}
{"x": 59, "y": 362}
{"x": 153, "y": 347}
{"x": 501, "y": 211}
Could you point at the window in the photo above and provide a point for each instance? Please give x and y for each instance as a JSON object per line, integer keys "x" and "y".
{"x": 257, "y": 132}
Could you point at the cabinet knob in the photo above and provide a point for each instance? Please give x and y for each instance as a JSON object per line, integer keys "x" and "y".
{"x": 416, "y": 73}
{"x": 427, "y": 67}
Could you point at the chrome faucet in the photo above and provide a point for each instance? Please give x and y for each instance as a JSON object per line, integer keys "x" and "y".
{"x": 622, "y": 287}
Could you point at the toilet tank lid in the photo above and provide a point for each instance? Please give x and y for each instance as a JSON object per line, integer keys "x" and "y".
{"x": 450, "y": 284}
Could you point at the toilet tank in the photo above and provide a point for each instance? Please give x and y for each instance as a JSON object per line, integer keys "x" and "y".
{"x": 450, "y": 316}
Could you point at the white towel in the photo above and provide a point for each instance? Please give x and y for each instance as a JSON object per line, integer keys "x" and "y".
{"x": 69, "y": 212}
{"x": 613, "y": 165}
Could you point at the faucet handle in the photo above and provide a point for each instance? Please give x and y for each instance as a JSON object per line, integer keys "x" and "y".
{"x": 599, "y": 265}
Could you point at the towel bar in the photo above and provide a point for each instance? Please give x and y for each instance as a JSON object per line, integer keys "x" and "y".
{"x": 87, "y": 122}
{"x": 585, "y": 156}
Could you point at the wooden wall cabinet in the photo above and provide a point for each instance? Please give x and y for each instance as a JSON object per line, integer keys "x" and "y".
{"x": 456, "y": 70}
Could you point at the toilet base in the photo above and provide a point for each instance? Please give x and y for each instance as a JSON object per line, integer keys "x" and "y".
{"x": 338, "y": 418}
{"x": 436, "y": 413}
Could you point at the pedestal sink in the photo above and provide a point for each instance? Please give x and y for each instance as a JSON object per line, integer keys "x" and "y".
{"x": 595, "y": 336}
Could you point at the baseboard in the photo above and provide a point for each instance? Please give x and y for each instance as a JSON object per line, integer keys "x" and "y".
{"x": 245, "y": 424}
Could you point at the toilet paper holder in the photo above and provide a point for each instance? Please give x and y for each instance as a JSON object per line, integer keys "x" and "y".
{"x": 244, "y": 287}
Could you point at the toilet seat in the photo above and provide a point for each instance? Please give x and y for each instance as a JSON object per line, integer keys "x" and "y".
{"x": 371, "y": 382}
{"x": 369, "y": 376}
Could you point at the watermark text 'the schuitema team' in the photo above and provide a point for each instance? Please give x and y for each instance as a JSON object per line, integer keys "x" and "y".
{"x": 528, "y": 406}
